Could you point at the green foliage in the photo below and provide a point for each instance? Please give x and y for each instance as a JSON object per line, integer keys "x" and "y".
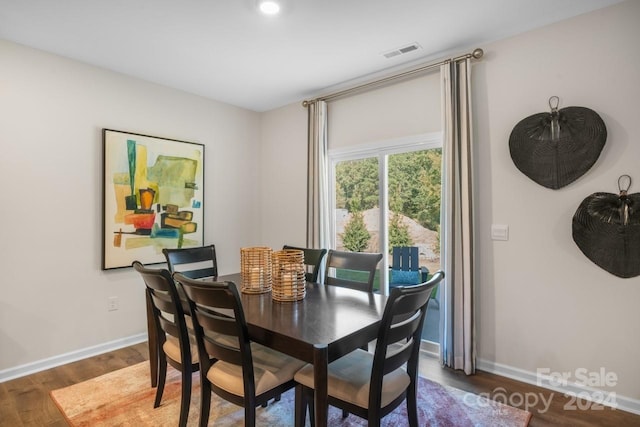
{"x": 357, "y": 184}
{"x": 356, "y": 236}
{"x": 414, "y": 185}
{"x": 398, "y": 233}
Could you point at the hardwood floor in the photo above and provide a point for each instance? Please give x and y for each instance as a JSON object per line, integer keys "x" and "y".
{"x": 25, "y": 401}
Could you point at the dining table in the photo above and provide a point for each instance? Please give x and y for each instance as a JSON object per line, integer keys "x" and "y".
{"x": 328, "y": 323}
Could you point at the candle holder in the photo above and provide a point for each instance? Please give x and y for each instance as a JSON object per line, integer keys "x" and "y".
{"x": 255, "y": 269}
{"x": 288, "y": 275}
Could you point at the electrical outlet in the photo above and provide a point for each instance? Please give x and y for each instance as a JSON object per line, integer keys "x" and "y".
{"x": 112, "y": 303}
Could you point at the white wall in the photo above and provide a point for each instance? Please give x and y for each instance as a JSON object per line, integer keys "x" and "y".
{"x": 540, "y": 302}
{"x": 283, "y": 178}
{"x": 53, "y": 295}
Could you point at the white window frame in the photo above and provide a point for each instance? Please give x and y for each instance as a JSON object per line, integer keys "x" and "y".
{"x": 381, "y": 150}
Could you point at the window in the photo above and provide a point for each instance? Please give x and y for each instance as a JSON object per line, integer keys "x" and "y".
{"x": 387, "y": 194}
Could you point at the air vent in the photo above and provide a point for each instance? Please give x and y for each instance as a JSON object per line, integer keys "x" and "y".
{"x": 401, "y": 50}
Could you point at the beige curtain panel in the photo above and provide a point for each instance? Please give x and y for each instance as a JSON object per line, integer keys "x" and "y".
{"x": 317, "y": 177}
{"x": 457, "y": 346}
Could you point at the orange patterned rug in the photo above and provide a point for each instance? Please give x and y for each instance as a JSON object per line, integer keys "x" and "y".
{"x": 125, "y": 397}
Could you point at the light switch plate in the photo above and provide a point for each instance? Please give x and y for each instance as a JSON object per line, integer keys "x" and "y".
{"x": 499, "y": 232}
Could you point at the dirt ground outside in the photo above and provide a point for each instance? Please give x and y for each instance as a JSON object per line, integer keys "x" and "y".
{"x": 426, "y": 240}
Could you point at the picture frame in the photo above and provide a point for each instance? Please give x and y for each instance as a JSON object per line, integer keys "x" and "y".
{"x": 153, "y": 197}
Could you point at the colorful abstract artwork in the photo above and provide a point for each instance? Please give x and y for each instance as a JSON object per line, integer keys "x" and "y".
{"x": 153, "y": 197}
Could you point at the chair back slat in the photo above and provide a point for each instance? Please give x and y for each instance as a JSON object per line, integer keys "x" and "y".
{"x": 354, "y": 262}
{"x": 219, "y": 323}
{"x": 344, "y": 283}
{"x": 405, "y": 258}
{"x": 169, "y": 326}
{"x": 222, "y": 351}
{"x": 312, "y": 260}
{"x": 226, "y": 329}
{"x": 199, "y": 273}
{"x": 405, "y": 328}
{"x": 191, "y": 261}
{"x": 163, "y": 301}
{"x": 399, "y": 357}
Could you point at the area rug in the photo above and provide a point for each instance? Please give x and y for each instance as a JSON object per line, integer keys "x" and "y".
{"x": 125, "y": 397}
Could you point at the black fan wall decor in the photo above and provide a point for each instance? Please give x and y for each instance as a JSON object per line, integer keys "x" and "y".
{"x": 554, "y": 149}
{"x": 606, "y": 228}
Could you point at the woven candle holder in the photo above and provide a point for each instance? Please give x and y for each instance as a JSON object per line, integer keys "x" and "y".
{"x": 288, "y": 275}
{"x": 255, "y": 269}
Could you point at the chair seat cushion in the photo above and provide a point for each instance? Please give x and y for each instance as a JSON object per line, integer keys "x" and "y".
{"x": 271, "y": 369}
{"x": 349, "y": 379}
{"x": 171, "y": 348}
{"x": 403, "y": 277}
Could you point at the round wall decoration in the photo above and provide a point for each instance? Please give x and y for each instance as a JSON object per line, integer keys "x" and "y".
{"x": 606, "y": 228}
{"x": 556, "y": 148}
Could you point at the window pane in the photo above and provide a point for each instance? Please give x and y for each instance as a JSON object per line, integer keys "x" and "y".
{"x": 415, "y": 180}
{"x": 414, "y": 203}
{"x": 357, "y": 213}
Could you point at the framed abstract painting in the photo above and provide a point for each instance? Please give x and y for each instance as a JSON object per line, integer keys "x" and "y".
{"x": 153, "y": 197}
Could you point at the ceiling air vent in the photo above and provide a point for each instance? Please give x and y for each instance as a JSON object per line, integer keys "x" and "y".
{"x": 401, "y": 50}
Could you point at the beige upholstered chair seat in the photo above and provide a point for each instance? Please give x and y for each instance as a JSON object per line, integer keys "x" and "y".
{"x": 349, "y": 379}
{"x": 171, "y": 348}
{"x": 271, "y": 368}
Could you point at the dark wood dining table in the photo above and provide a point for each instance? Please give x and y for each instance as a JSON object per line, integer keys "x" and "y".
{"x": 327, "y": 324}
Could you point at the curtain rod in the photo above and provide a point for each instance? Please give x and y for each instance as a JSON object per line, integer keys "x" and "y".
{"x": 476, "y": 54}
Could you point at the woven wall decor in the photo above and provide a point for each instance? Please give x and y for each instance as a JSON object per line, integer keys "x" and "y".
{"x": 556, "y": 148}
{"x": 606, "y": 228}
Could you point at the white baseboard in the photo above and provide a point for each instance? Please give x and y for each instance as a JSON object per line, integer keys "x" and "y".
{"x": 570, "y": 388}
{"x": 62, "y": 359}
{"x": 430, "y": 348}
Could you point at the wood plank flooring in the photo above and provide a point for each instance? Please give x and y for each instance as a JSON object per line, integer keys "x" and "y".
{"x": 25, "y": 401}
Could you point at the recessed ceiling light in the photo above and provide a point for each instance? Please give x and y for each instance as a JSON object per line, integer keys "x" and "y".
{"x": 269, "y": 7}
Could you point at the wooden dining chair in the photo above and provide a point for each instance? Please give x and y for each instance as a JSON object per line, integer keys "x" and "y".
{"x": 356, "y": 264}
{"x": 405, "y": 266}
{"x": 313, "y": 261}
{"x": 245, "y": 373}
{"x": 174, "y": 345}
{"x": 372, "y": 385}
{"x": 194, "y": 263}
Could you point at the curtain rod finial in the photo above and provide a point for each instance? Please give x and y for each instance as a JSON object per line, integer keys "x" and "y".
{"x": 305, "y": 103}
{"x": 477, "y": 53}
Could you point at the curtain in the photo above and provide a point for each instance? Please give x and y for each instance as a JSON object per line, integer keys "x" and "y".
{"x": 457, "y": 326}
{"x": 317, "y": 177}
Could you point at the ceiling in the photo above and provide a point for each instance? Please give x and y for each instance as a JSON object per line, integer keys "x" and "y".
{"x": 225, "y": 50}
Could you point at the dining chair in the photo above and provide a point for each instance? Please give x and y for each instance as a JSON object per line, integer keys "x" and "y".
{"x": 357, "y": 264}
{"x": 313, "y": 261}
{"x": 245, "y": 373}
{"x": 406, "y": 270}
{"x": 194, "y": 263}
{"x": 372, "y": 385}
{"x": 175, "y": 347}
